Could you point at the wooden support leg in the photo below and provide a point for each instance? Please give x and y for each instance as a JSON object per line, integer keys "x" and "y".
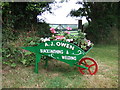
{"x": 38, "y": 56}
{"x": 46, "y": 63}
{"x": 36, "y": 67}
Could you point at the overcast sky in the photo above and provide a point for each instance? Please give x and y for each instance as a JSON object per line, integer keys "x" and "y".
{"x": 60, "y": 14}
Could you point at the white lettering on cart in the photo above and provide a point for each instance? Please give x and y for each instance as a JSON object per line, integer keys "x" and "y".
{"x": 46, "y": 44}
{"x": 79, "y": 52}
{"x": 65, "y": 45}
{"x": 51, "y": 51}
{"x": 69, "y": 57}
{"x": 67, "y": 52}
{"x": 60, "y": 44}
{"x": 52, "y": 44}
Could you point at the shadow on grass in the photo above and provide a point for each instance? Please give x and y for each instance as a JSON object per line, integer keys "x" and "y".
{"x": 55, "y": 66}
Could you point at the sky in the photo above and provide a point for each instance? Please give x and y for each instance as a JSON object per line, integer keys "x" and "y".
{"x": 60, "y": 14}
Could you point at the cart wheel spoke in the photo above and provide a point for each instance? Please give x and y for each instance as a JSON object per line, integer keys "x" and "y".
{"x": 92, "y": 65}
{"x": 82, "y": 68}
{"x": 91, "y": 70}
{"x": 85, "y": 62}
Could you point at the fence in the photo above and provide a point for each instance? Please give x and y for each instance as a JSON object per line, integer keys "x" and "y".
{"x": 62, "y": 27}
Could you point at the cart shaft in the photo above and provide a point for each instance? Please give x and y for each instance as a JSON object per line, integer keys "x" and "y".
{"x": 81, "y": 66}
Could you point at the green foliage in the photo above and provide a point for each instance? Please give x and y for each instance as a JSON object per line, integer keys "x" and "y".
{"x": 20, "y": 15}
{"x": 20, "y": 28}
{"x": 28, "y": 58}
{"x": 43, "y": 30}
{"x": 13, "y": 55}
{"x": 10, "y": 55}
{"x": 101, "y": 17}
{"x": 8, "y": 34}
{"x": 81, "y": 40}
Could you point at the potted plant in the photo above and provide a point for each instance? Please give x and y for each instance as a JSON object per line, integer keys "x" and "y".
{"x": 79, "y": 40}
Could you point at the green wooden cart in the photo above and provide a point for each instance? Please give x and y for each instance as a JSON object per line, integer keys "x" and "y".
{"x": 65, "y": 52}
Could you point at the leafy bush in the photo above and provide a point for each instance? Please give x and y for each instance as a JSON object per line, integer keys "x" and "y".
{"x": 80, "y": 40}
{"x": 9, "y": 52}
{"x": 43, "y": 30}
{"x": 13, "y": 56}
{"x": 20, "y": 28}
{"x": 9, "y": 34}
{"x": 12, "y": 53}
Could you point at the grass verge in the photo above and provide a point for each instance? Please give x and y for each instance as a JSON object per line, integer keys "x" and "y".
{"x": 61, "y": 75}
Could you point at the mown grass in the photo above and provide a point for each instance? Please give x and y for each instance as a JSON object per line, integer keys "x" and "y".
{"x": 61, "y": 75}
{"x": 74, "y": 32}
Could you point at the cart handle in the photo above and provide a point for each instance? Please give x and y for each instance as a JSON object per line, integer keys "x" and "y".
{"x": 89, "y": 50}
{"x": 81, "y": 66}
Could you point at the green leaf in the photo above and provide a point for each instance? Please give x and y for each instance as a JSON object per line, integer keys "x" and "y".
{"x": 24, "y": 61}
{"x": 7, "y": 63}
{"x": 28, "y": 53}
{"x": 32, "y": 43}
{"x": 8, "y": 55}
{"x": 13, "y": 65}
{"x": 29, "y": 38}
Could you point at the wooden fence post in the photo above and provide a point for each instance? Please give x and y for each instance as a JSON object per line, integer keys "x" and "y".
{"x": 80, "y": 24}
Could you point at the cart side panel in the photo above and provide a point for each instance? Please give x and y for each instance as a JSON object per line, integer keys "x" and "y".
{"x": 59, "y": 50}
{"x": 62, "y": 51}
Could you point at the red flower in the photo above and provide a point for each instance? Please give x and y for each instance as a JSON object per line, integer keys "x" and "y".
{"x": 52, "y": 30}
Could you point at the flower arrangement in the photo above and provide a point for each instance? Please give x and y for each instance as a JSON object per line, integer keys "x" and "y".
{"x": 79, "y": 40}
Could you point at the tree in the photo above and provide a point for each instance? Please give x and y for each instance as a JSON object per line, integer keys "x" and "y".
{"x": 22, "y": 14}
{"x": 101, "y": 16}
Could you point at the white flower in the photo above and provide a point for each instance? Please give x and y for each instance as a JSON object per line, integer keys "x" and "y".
{"x": 52, "y": 35}
{"x": 71, "y": 39}
{"x": 85, "y": 39}
{"x": 68, "y": 40}
{"x": 84, "y": 33}
{"x": 44, "y": 40}
{"x": 64, "y": 38}
{"x": 41, "y": 38}
{"x": 89, "y": 43}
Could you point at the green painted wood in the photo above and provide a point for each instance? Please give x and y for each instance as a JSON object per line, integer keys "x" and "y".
{"x": 81, "y": 66}
{"x": 38, "y": 56}
{"x": 46, "y": 63}
{"x": 60, "y": 50}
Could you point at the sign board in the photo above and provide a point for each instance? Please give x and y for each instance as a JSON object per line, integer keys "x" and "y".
{"x": 60, "y": 50}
